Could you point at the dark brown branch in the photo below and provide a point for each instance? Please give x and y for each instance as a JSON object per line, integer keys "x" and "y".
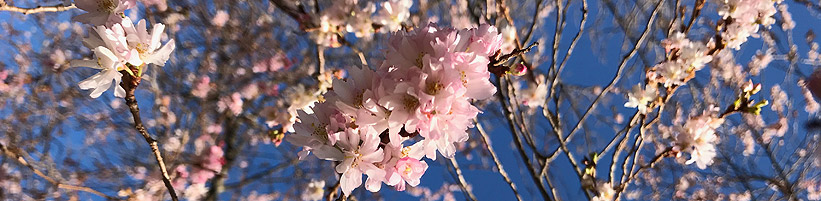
{"x": 130, "y": 85}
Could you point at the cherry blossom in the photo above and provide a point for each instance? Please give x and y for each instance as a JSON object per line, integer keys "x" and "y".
{"x": 121, "y": 47}
{"x": 148, "y": 45}
{"x": 359, "y": 159}
{"x": 640, "y": 98}
{"x": 108, "y": 77}
{"x": 535, "y": 94}
{"x": 424, "y": 87}
{"x": 102, "y": 12}
{"x": 314, "y": 191}
{"x": 746, "y": 16}
{"x": 697, "y": 136}
{"x": 220, "y": 18}
{"x": 393, "y": 14}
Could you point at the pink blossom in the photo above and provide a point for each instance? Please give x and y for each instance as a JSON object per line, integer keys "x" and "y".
{"x": 162, "y": 5}
{"x": 201, "y": 87}
{"x": 746, "y": 16}
{"x": 640, "y": 98}
{"x": 210, "y": 163}
{"x": 273, "y": 64}
{"x": 4, "y": 74}
{"x": 424, "y": 86}
{"x": 359, "y": 159}
{"x": 393, "y": 14}
{"x": 180, "y": 180}
{"x": 698, "y": 137}
{"x": 220, "y": 18}
{"x": 233, "y": 103}
{"x": 148, "y": 44}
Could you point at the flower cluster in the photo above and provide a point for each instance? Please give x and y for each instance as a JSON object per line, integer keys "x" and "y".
{"x": 191, "y": 179}
{"x": 687, "y": 57}
{"x": 640, "y": 98}
{"x": 420, "y": 93}
{"x": 345, "y": 16}
{"x": 122, "y": 47}
{"x": 697, "y": 136}
{"x": 743, "y": 18}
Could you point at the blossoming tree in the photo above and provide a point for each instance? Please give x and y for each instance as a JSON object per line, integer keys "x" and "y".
{"x": 402, "y": 99}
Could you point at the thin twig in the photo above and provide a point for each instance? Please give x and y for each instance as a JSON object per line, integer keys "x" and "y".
{"x": 22, "y": 160}
{"x": 131, "y": 101}
{"x": 462, "y": 182}
{"x": 502, "y": 171}
{"x": 518, "y": 141}
{"x": 354, "y": 49}
{"x": 617, "y": 77}
{"x": 576, "y": 38}
{"x": 38, "y": 9}
{"x": 651, "y": 164}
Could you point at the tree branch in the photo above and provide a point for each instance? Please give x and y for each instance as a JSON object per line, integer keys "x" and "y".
{"x": 38, "y": 9}
{"x": 130, "y": 86}
{"x": 22, "y": 160}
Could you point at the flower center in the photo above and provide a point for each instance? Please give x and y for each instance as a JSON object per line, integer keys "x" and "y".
{"x": 319, "y": 131}
{"x": 408, "y": 169}
{"x": 433, "y": 88}
{"x": 419, "y": 59}
{"x": 410, "y": 102}
{"x": 106, "y": 6}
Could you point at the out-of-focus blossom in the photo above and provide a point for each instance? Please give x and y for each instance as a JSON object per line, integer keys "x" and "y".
{"x": 273, "y": 64}
{"x": 393, "y": 14}
{"x": 210, "y": 163}
{"x": 220, "y": 18}
{"x": 746, "y": 16}
{"x": 233, "y": 103}
{"x": 760, "y": 61}
{"x": 195, "y": 191}
{"x": 162, "y": 5}
{"x": 508, "y": 39}
{"x": 102, "y": 12}
{"x": 314, "y": 191}
{"x": 535, "y": 94}
{"x": 201, "y": 87}
{"x": 604, "y": 192}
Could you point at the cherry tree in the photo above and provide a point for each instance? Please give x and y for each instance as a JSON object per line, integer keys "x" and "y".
{"x": 402, "y": 99}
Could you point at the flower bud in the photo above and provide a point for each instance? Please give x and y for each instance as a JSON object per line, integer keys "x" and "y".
{"x": 518, "y": 70}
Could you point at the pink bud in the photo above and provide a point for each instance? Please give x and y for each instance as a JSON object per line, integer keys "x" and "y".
{"x": 518, "y": 70}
